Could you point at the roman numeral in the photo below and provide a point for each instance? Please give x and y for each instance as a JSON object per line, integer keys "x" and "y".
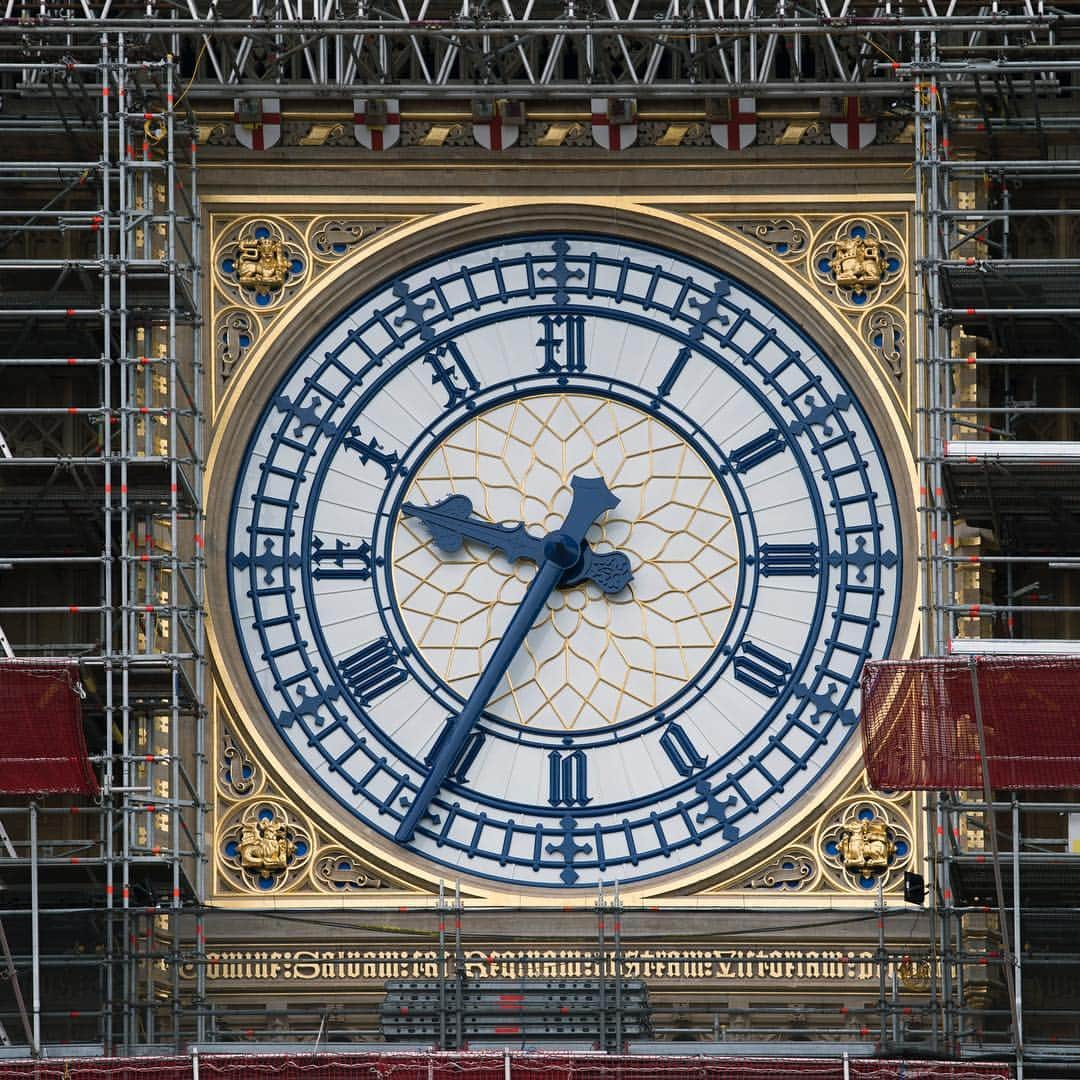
{"x": 459, "y": 773}
{"x": 372, "y": 450}
{"x": 681, "y": 752}
{"x": 447, "y": 374}
{"x": 372, "y": 671}
{"x": 760, "y": 670}
{"x": 756, "y": 451}
{"x": 568, "y": 779}
{"x": 347, "y": 562}
{"x": 563, "y": 343}
{"x": 789, "y": 560}
{"x": 674, "y": 372}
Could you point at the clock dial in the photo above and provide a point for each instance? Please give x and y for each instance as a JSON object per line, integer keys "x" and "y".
{"x": 691, "y": 668}
{"x": 593, "y": 659}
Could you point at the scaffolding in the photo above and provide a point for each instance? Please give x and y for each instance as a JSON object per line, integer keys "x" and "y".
{"x": 995, "y": 158}
{"x": 101, "y": 523}
{"x": 101, "y": 418}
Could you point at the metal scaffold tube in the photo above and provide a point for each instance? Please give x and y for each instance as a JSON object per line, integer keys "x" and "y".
{"x": 129, "y": 223}
{"x": 135, "y": 233}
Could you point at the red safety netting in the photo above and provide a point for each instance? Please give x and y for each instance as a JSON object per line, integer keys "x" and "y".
{"x": 494, "y": 1066}
{"x": 920, "y": 732}
{"x": 42, "y": 745}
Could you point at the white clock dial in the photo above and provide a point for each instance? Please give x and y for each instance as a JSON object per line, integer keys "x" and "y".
{"x": 638, "y": 727}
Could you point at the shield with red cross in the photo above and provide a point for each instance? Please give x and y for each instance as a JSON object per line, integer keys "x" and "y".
{"x": 497, "y": 124}
{"x": 853, "y": 128}
{"x": 376, "y": 122}
{"x": 614, "y": 122}
{"x": 733, "y": 122}
{"x": 257, "y": 122}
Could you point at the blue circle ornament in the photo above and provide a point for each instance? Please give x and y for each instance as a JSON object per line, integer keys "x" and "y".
{"x": 666, "y": 697}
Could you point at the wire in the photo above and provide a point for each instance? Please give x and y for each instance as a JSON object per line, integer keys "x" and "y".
{"x": 194, "y": 70}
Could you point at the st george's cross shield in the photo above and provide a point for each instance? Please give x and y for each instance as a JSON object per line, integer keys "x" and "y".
{"x": 376, "y": 122}
{"x": 257, "y": 122}
{"x": 614, "y": 122}
{"x": 850, "y": 125}
{"x": 733, "y": 122}
{"x": 497, "y": 124}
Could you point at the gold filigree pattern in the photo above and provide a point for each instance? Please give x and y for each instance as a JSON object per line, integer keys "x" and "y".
{"x": 590, "y": 659}
{"x": 864, "y": 841}
{"x": 265, "y": 844}
{"x": 858, "y": 261}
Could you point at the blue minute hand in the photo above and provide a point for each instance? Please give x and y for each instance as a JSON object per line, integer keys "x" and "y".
{"x": 561, "y": 550}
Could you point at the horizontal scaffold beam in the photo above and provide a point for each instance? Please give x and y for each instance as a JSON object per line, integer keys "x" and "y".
{"x": 641, "y": 48}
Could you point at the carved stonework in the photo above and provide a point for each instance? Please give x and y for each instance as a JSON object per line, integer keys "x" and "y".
{"x": 338, "y": 871}
{"x": 860, "y": 264}
{"x": 258, "y": 262}
{"x": 819, "y": 861}
{"x": 435, "y": 133}
{"x": 786, "y": 237}
{"x": 331, "y": 238}
{"x": 866, "y": 847}
{"x": 262, "y": 264}
{"x": 793, "y": 871}
{"x": 266, "y": 844}
{"x": 238, "y": 774}
{"x": 914, "y": 974}
{"x": 864, "y": 841}
{"x": 858, "y": 261}
{"x": 883, "y": 331}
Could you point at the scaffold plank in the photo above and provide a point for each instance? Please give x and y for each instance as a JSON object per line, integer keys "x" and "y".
{"x": 1050, "y": 453}
{"x": 1013, "y": 647}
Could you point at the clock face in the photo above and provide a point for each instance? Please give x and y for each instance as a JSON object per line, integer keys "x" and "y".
{"x": 680, "y": 679}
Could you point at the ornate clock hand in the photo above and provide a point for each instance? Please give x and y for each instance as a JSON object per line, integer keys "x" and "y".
{"x": 561, "y": 551}
{"x": 451, "y": 523}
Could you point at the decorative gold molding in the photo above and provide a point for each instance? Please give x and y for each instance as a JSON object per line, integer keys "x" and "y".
{"x": 423, "y": 221}
{"x": 262, "y": 265}
{"x": 266, "y": 845}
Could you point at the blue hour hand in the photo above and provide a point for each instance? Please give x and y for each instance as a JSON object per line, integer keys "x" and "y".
{"x": 451, "y": 523}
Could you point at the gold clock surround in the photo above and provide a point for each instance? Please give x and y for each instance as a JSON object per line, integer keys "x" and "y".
{"x": 868, "y": 341}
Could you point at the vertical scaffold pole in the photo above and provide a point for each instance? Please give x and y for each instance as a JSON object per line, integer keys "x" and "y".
{"x": 35, "y": 935}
